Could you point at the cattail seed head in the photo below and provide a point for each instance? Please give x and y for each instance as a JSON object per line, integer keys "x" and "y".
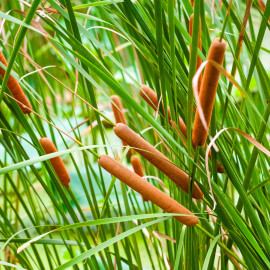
{"x": 119, "y": 116}
{"x": 149, "y": 96}
{"x": 183, "y": 127}
{"x": 137, "y": 167}
{"x": 161, "y": 162}
{"x": 15, "y": 88}
{"x": 208, "y": 91}
{"x": 118, "y": 110}
{"x": 147, "y": 190}
{"x": 56, "y": 162}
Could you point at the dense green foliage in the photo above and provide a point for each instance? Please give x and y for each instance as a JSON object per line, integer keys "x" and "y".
{"x": 69, "y": 60}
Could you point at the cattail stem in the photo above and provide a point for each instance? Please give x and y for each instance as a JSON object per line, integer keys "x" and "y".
{"x": 56, "y": 162}
{"x": 226, "y": 20}
{"x": 222, "y": 245}
{"x": 191, "y": 186}
{"x": 199, "y": 60}
{"x": 146, "y": 189}
{"x": 219, "y": 167}
{"x": 183, "y": 129}
{"x": 208, "y": 92}
{"x": 15, "y": 88}
{"x": 161, "y": 162}
{"x": 262, "y": 7}
{"x": 44, "y": 119}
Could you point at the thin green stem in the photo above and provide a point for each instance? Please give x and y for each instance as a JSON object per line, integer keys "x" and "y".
{"x": 226, "y": 20}
{"x": 222, "y": 245}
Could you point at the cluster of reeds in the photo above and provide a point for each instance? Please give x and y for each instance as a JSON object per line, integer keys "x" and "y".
{"x": 208, "y": 88}
{"x": 147, "y": 56}
{"x": 207, "y": 97}
{"x": 156, "y": 158}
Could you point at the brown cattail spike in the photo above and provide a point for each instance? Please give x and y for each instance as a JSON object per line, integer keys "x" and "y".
{"x": 208, "y": 91}
{"x": 15, "y": 88}
{"x": 149, "y": 96}
{"x": 220, "y": 168}
{"x": 183, "y": 127}
{"x": 56, "y": 162}
{"x": 119, "y": 116}
{"x": 150, "y": 153}
{"x": 118, "y": 110}
{"x": 146, "y": 189}
{"x": 199, "y": 60}
{"x": 137, "y": 167}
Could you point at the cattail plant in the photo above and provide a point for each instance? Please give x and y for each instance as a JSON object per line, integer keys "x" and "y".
{"x": 137, "y": 167}
{"x": 151, "y": 99}
{"x": 183, "y": 127}
{"x": 147, "y": 190}
{"x": 149, "y": 96}
{"x": 208, "y": 91}
{"x": 119, "y": 116}
{"x": 15, "y": 88}
{"x": 117, "y": 109}
{"x": 121, "y": 48}
{"x": 56, "y": 162}
{"x": 161, "y": 162}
